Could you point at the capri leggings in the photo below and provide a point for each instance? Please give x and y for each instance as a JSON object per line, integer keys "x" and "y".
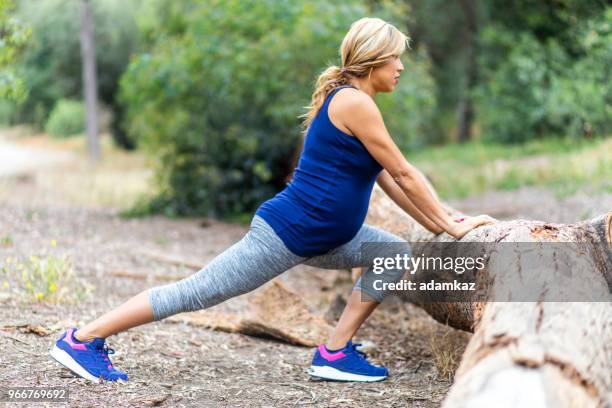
{"x": 259, "y": 257}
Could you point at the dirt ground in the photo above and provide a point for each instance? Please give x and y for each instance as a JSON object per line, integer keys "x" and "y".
{"x": 182, "y": 364}
{"x": 176, "y": 364}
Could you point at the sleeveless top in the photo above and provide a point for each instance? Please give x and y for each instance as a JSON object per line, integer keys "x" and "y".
{"x": 326, "y": 202}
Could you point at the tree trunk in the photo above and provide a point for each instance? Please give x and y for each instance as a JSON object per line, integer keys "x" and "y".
{"x": 535, "y": 354}
{"x": 90, "y": 83}
{"x": 466, "y": 106}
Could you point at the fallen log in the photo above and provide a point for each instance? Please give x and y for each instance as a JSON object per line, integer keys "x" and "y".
{"x": 539, "y": 353}
{"x": 270, "y": 311}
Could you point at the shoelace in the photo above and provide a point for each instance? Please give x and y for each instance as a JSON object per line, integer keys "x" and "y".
{"x": 361, "y": 354}
{"x": 103, "y": 353}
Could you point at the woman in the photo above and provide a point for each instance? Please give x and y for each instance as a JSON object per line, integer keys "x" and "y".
{"x": 316, "y": 220}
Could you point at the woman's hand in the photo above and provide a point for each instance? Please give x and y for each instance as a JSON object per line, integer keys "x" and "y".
{"x": 463, "y": 225}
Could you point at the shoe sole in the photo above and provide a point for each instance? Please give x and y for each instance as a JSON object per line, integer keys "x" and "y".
{"x": 70, "y": 363}
{"x": 330, "y": 373}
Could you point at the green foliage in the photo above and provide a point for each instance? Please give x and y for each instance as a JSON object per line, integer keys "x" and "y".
{"x": 541, "y": 68}
{"x": 7, "y": 110}
{"x": 13, "y": 36}
{"x": 217, "y": 97}
{"x": 52, "y": 61}
{"x": 438, "y": 29}
{"x": 66, "y": 119}
{"x": 551, "y": 77}
{"x": 409, "y": 110}
{"x": 45, "y": 278}
{"x": 539, "y": 89}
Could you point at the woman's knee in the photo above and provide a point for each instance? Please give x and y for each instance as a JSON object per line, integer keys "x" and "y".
{"x": 378, "y": 252}
{"x": 387, "y": 263}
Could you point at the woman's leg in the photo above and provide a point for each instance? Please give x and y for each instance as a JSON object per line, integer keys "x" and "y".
{"x": 257, "y": 258}
{"x": 134, "y": 312}
{"x": 357, "y": 310}
{"x": 364, "y": 298}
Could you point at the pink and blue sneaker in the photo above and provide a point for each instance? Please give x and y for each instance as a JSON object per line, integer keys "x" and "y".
{"x": 347, "y": 364}
{"x": 86, "y": 359}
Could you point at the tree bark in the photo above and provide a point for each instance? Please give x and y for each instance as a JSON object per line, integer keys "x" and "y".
{"x": 90, "y": 82}
{"x": 466, "y": 106}
{"x": 535, "y": 354}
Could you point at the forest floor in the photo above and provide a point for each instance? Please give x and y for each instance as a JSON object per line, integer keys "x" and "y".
{"x": 51, "y": 219}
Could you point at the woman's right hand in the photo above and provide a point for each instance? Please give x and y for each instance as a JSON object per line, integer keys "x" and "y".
{"x": 460, "y": 228}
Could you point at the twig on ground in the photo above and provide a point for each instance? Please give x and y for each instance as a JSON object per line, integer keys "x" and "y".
{"x": 170, "y": 259}
{"x": 5, "y": 334}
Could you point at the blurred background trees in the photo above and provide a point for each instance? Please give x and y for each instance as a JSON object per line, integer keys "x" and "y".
{"x": 212, "y": 89}
{"x": 546, "y": 69}
{"x": 218, "y": 97}
{"x": 527, "y": 68}
{"x": 51, "y": 63}
{"x": 13, "y": 37}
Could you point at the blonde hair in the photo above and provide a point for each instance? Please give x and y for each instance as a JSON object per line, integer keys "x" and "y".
{"x": 369, "y": 43}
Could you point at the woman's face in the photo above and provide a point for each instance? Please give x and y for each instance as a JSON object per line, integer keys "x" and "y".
{"x": 385, "y": 78}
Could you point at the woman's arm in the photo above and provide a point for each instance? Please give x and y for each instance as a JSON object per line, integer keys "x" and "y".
{"x": 366, "y": 123}
{"x": 385, "y": 181}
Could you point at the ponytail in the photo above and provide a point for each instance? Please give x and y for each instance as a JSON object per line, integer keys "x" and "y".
{"x": 329, "y": 80}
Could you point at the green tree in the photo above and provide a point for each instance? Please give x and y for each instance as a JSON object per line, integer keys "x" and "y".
{"x": 13, "y": 37}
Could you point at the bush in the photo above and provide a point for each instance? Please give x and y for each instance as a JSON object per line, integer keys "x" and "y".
{"x": 556, "y": 86}
{"x": 217, "y": 98}
{"x": 7, "y": 111}
{"x": 66, "y": 119}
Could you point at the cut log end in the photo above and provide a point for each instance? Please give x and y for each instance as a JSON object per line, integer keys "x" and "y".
{"x": 603, "y": 227}
{"x": 608, "y": 224}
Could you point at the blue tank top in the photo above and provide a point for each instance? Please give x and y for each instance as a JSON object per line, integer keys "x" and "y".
{"x": 326, "y": 202}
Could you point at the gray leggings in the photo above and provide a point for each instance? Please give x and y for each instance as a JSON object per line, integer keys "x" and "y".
{"x": 256, "y": 259}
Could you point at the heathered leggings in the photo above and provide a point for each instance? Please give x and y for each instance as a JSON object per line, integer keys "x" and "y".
{"x": 257, "y": 258}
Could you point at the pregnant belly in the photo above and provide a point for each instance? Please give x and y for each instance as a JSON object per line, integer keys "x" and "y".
{"x": 320, "y": 237}
{"x": 334, "y": 225}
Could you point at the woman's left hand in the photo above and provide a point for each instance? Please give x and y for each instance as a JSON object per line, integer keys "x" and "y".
{"x": 463, "y": 225}
{"x": 465, "y": 217}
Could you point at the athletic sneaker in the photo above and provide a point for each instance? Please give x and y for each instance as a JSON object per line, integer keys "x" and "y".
{"x": 348, "y": 364}
{"x": 86, "y": 359}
